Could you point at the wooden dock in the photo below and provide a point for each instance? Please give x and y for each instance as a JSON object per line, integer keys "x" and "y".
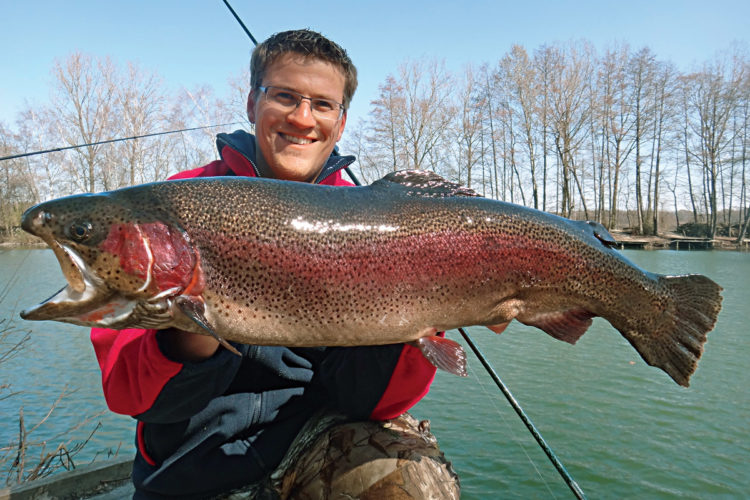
{"x": 626, "y": 241}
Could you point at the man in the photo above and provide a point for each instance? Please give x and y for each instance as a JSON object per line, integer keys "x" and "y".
{"x": 210, "y": 421}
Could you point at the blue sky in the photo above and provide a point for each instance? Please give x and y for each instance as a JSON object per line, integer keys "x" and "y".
{"x": 191, "y": 42}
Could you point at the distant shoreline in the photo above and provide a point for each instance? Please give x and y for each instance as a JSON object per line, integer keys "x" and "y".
{"x": 15, "y": 245}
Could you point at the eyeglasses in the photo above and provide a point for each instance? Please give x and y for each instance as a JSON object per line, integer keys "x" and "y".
{"x": 289, "y": 100}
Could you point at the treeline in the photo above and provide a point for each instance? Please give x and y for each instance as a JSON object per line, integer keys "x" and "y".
{"x": 564, "y": 129}
{"x": 94, "y": 100}
{"x": 570, "y": 131}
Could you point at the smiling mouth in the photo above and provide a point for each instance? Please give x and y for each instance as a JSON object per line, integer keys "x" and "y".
{"x": 296, "y": 140}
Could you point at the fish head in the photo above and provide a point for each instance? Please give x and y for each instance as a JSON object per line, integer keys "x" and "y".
{"x": 121, "y": 262}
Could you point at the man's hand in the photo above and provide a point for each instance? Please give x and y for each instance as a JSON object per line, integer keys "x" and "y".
{"x": 184, "y": 346}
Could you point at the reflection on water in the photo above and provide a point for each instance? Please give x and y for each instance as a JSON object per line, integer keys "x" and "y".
{"x": 622, "y": 428}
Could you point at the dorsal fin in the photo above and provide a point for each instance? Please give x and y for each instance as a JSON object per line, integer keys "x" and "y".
{"x": 423, "y": 183}
{"x": 602, "y": 234}
{"x": 599, "y": 231}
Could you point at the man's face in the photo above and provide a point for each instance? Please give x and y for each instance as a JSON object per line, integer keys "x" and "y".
{"x": 295, "y": 145}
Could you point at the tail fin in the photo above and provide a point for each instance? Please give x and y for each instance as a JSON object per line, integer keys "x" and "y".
{"x": 676, "y": 344}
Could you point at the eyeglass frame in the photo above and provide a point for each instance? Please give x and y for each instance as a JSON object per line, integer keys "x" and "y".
{"x": 301, "y": 97}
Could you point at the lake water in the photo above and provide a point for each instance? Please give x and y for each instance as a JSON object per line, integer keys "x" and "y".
{"x": 621, "y": 428}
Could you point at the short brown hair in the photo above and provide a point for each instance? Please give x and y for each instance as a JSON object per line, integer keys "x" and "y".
{"x": 309, "y": 44}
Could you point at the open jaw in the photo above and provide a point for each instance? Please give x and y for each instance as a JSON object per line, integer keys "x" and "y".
{"x": 85, "y": 300}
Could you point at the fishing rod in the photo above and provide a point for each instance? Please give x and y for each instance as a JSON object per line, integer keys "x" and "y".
{"x": 572, "y": 484}
{"x": 247, "y": 31}
{"x": 108, "y": 141}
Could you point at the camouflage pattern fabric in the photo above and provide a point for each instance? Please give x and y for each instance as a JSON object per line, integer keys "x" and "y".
{"x": 333, "y": 458}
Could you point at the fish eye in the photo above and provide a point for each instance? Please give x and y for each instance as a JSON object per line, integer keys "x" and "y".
{"x": 80, "y": 231}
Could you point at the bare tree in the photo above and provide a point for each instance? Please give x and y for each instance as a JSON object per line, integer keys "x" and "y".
{"x": 20, "y": 180}
{"x": 356, "y": 142}
{"x": 468, "y": 127}
{"x": 617, "y": 121}
{"x": 83, "y": 101}
{"x": 189, "y": 108}
{"x": 664, "y": 121}
{"x": 544, "y": 66}
{"x": 428, "y": 110}
{"x": 523, "y": 92}
{"x": 489, "y": 135}
{"x": 234, "y": 106}
{"x": 711, "y": 98}
{"x": 45, "y": 175}
{"x": 141, "y": 104}
{"x": 387, "y": 126}
{"x": 569, "y": 110}
{"x": 11, "y": 192}
{"x": 641, "y": 76}
{"x": 742, "y": 155}
{"x": 410, "y": 118}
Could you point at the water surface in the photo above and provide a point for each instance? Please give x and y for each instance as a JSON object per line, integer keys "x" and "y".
{"x": 621, "y": 428}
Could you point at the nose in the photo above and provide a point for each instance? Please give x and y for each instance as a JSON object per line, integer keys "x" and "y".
{"x": 302, "y": 115}
{"x": 33, "y": 218}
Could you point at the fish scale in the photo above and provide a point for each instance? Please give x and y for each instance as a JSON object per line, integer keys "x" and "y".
{"x": 280, "y": 263}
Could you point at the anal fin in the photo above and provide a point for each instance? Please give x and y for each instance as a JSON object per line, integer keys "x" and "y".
{"x": 499, "y": 328}
{"x": 193, "y": 309}
{"x": 445, "y": 354}
{"x": 567, "y": 326}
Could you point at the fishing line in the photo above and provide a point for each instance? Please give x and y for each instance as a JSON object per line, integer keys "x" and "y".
{"x": 572, "y": 484}
{"x": 512, "y": 433}
{"x": 506, "y": 392}
{"x": 108, "y": 141}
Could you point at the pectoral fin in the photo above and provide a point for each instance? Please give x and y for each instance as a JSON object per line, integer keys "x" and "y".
{"x": 443, "y": 353}
{"x": 193, "y": 309}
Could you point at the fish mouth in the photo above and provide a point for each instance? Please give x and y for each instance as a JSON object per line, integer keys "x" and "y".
{"x": 85, "y": 300}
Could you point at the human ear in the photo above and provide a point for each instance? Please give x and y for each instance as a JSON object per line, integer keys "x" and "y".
{"x": 251, "y": 106}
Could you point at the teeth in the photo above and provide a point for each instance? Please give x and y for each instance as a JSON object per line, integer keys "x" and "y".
{"x": 296, "y": 140}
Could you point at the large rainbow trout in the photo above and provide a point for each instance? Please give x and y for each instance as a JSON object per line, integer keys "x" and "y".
{"x": 267, "y": 262}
